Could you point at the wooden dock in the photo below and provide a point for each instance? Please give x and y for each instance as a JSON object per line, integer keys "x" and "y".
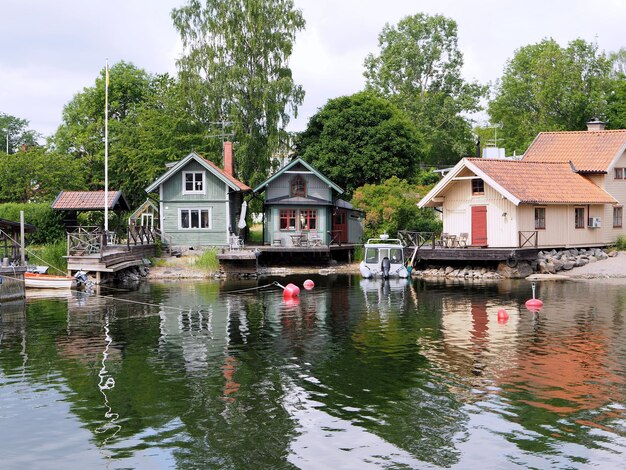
{"x": 12, "y": 283}
{"x": 427, "y": 253}
{"x": 236, "y": 262}
{"x": 112, "y": 259}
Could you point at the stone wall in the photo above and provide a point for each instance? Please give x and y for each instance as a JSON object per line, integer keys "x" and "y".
{"x": 547, "y": 262}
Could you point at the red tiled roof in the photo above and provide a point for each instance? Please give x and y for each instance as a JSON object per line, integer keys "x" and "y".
{"x": 589, "y": 151}
{"x": 230, "y": 178}
{"x": 542, "y": 183}
{"x": 89, "y": 200}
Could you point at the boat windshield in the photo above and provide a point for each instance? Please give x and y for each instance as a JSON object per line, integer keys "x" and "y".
{"x": 371, "y": 255}
{"x": 395, "y": 255}
{"x": 374, "y": 255}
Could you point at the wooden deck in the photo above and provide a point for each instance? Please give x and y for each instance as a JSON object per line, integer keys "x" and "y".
{"x": 110, "y": 260}
{"x": 427, "y": 253}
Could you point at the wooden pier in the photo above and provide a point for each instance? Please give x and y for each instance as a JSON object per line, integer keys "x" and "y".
{"x": 426, "y": 246}
{"x": 12, "y": 283}
{"x": 92, "y": 250}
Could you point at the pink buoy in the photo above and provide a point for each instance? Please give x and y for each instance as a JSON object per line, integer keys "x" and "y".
{"x": 290, "y": 291}
{"x": 533, "y": 304}
{"x": 308, "y": 284}
{"x": 502, "y": 315}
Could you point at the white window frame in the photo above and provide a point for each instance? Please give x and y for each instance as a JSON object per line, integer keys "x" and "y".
{"x": 194, "y": 191}
{"x": 199, "y": 210}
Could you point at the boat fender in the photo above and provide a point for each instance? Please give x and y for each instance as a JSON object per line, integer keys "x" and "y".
{"x": 385, "y": 267}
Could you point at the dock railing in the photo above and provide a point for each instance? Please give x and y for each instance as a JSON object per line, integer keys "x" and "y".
{"x": 528, "y": 238}
{"x": 417, "y": 239}
{"x": 85, "y": 240}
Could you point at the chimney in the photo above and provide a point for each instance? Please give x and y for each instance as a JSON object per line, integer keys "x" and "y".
{"x": 595, "y": 125}
{"x": 228, "y": 158}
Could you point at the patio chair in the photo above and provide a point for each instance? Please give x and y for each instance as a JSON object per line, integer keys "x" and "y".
{"x": 462, "y": 240}
{"x": 442, "y": 240}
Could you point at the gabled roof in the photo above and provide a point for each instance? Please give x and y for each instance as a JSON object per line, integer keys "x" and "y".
{"x": 9, "y": 225}
{"x": 524, "y": 182}
{"x": 290, "y": 166}
{"x": 89, "y": 201}
{"x": 230, "y": 180}
{"x": 589, "y": 151}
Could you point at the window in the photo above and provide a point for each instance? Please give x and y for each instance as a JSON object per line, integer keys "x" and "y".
{"x": 579, "y": 217}
{"x": 308, "y": 219}
{"x": 371, "y": 255}
{"x": 287, "y": 219}
{"x": 478, "y": 187}
{"x": 193, "y": 182}
{"x": 194, "y": 219}
{"x": 619, "y": 173}
{"x": 298, "y": 186}
{"x": 617, "y": 217}
{"x": 540, "y": 218}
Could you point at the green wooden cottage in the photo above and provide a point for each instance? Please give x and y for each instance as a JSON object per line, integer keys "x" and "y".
{"x": 199, "y": 203}
{"x": 302, "y": 208}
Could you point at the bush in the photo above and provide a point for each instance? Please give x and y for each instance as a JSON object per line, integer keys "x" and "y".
{"x": 620, "y": 243}
{"x": 49, "y": 255}
{"x": 392, "y": 206}
{"x": 208, "y": 260}
{"x": 49, "y": 222}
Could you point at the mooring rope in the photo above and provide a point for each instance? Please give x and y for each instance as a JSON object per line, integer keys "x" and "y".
{"x": 273, "y": 284}
{"x": 33, "y": 254}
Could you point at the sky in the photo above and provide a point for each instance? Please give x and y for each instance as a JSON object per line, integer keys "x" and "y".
{"x": 51, "y": 50}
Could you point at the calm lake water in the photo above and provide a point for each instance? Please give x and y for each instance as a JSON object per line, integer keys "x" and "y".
{"x": 354, "y": 374}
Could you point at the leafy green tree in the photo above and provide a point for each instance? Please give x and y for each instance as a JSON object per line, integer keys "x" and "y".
{"x": 14, "y": 134}
{"x": 616, "y": 103}
{"x": 418, "y": 67}
{"x": 392, "y": 206}
{"x": 81, "y": 133}
{"x": 235, "y": 68}
{"x": 149, "y": 125}
{"x": 34, "y": 175}
{"x": 546, "y": 87}
{"x": 160, "y": 130}
{"x": 360, "y": 139}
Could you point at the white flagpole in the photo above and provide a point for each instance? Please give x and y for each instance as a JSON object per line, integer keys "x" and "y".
{"x": 106, "y": 150}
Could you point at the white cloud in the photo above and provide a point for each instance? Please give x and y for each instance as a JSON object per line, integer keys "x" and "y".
{"x": 51, "y": 50}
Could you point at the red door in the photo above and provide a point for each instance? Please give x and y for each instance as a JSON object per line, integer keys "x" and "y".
{"x": 479, "y": 225}
{"x": 340, "y": 225}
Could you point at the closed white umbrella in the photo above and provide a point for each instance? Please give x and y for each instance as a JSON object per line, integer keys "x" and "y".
{"x": 242, "y": 216}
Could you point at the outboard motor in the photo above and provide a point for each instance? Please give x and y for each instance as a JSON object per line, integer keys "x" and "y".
{"x": 83, "y": 281}
{"x": 385, "y": 267}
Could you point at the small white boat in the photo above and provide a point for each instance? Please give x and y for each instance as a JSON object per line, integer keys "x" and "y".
{"x": 47, "y": 281}
{"x": 383, "y": 257}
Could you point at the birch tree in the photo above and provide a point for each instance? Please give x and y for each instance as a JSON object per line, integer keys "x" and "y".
{"x": 235, "y": 66}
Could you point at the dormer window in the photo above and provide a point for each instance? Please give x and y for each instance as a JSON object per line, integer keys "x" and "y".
{"x": 193, "y": 182}
{"x": 298, "y": 186}
{"x": 619, "y": 173}
{"x": 478, "y": 187}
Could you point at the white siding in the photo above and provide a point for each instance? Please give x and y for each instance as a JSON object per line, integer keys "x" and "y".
{"x": 617, "y": 189}
{"x": 457, "y": 217}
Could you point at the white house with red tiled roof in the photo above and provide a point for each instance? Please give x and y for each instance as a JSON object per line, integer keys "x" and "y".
{"x": 568, "y": 190}
{"x": 199, "y": 203}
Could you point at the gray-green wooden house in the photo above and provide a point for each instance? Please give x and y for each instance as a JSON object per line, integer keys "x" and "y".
{"x": 199, "y": 203}
{"x": 302, "y": 202}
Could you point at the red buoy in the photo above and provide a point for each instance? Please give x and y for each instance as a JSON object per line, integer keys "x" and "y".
{"x": 290, "y": 291}
{"x": 502, "y": 315}
{"x": 534, "y": 305}
{"x": 308, "y": 284}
